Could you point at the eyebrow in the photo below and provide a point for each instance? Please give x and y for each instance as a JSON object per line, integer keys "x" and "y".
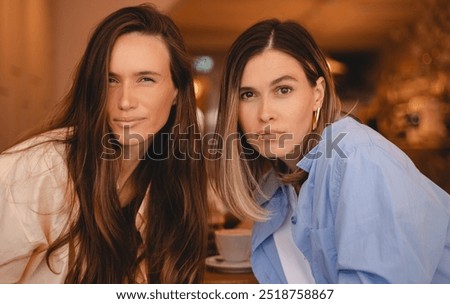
{"x": 282, "y": 78}
{"x": 140, "y": 73}
{"x": 273, "y": 82}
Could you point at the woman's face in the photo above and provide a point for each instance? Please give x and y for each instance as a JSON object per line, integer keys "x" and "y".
{"x": 141, "y": 92}
{"x": 276, "y": 104}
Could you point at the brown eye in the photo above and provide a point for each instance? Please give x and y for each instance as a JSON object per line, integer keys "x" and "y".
{"x": 112, "y": 81}
{"x": 246, "y": 95}
{"x": 146, "y": 79}
{"x": 283, "y": 90}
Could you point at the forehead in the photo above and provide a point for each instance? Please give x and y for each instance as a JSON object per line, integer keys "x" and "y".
{"x": 138, "y": 49}
{"x": 270, "y": 64}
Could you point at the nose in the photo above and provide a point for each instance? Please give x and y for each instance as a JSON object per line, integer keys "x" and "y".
{"x": 126, "y": 98}
{"x": 266, "y": 112}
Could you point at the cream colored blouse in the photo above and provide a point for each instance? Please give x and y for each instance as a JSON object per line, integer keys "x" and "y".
{"x": 34, "y": 193}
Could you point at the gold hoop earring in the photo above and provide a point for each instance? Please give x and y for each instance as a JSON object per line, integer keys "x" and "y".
{"x": 315, "y": 119}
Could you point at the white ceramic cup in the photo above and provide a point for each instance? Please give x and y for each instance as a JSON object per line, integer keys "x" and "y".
{"x": 234, "y": 244}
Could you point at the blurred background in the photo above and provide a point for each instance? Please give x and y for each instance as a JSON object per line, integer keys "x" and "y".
{"x": 390, "y": 59}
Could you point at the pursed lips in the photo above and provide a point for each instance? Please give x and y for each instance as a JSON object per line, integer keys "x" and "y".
{"x": 268, "y": 134}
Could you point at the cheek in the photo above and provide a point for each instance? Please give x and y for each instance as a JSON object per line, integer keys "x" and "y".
{"x": 156, "y": 102}
{"x": 161, "y": 110}
{"x": 159, "y": 116}
{"x": 110, "y": 109}
{"x": 245, "y": 118}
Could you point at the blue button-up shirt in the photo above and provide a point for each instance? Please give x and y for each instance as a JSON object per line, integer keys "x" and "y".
{"x": 364, "y": 215}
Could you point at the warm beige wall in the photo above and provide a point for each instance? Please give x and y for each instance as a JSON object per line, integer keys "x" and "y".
{"x": 25, "y": 57}
{"x": 41, "y": 42}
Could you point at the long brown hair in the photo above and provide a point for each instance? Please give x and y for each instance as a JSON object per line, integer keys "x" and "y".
{"x": 240, "y": 167}
{"x": 104, "y": 243}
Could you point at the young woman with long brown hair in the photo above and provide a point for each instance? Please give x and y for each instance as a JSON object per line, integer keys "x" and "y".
{"x": 333, "y": 200}
{"x": 113, "y": 190}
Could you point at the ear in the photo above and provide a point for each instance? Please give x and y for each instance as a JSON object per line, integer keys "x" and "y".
{"x": 319, "y": 92}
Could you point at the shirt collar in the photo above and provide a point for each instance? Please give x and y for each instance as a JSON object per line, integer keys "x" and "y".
{"x": 306, "y": 162}
{"x": 269, "y": 184}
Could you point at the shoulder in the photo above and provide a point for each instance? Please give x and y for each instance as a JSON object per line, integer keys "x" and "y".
{"x": 347, "y": 139}
{"x": 350, "y": 135}
{"x": 41, "y": 154}
{"x": 44, "y": 142}
{"x": 40, "y": 141}
{"x": 34, "y": 189}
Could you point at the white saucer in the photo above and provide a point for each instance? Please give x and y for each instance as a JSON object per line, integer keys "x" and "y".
{"x": 219, "y": 264}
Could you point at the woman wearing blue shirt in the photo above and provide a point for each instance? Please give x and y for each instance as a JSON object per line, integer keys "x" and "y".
{"x": 333, "y": 200}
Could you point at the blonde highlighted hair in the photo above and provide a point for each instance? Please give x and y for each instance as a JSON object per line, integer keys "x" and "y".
{"x": 238, "y": 168}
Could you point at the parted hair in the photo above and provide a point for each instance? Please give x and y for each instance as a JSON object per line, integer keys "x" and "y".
{"x": 104, "y": 243}
{"x": 237, "y": 174}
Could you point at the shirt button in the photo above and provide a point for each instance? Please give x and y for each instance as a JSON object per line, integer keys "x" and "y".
{"x": 294, "y": 219}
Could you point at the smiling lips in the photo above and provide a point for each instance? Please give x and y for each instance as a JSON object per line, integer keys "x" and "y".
{"x": 128, "y": 121}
